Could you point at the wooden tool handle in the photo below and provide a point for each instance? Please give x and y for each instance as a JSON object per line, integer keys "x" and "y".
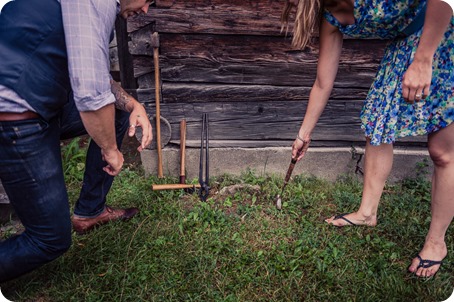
{"x": 182, "y": 151}
{"x": 292, "y": 166}
{"x": 155, "y": 38}
{"x": 173, "y": 186}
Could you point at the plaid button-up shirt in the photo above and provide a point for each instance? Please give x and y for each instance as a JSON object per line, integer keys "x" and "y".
{"x": 88, "y": 26}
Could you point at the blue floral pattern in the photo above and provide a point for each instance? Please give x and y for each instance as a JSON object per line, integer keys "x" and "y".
{"x": 385, "y": 115}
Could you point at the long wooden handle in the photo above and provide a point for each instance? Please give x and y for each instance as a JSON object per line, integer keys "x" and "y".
{"x": 158, "y": 107}
{"x": 182, "y": 151}
{"x": 173, "y": 186}
{"x": 292, "y": 166}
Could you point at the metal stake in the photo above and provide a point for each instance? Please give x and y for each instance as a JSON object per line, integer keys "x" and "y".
{"x": 204, "y": 160}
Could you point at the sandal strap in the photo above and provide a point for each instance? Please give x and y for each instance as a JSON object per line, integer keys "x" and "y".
{"x": 342, "y": 216}
{"x": 426, "y": 263}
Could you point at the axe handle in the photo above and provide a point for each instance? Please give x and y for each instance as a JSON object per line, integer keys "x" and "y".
{"x": 182, "y": 151}
{"x": 155, "y": 38}
{"x": 173, "y": 186}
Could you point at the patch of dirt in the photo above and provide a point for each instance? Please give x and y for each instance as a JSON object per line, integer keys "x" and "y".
{"x": 219, "y": 195}
{"x": 230, "y": 190}
{"x": 13, "y": 227}
{"x": 130, "y": 153}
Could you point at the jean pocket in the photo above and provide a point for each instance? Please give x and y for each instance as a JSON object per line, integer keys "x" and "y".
{"x": 28, "y": 130}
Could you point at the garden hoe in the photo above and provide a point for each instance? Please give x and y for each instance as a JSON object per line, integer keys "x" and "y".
{"x": 287, "y": 178}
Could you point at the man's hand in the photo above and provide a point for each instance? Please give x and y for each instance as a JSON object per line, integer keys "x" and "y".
{"x": 139, "y": 118}
{"x": 100, "y": 125}
{"x": 114, "y": 159}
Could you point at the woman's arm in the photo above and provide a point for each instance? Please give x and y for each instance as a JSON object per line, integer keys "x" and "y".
{"x": 417, "y": 78}
{"x": 330, "y": 48}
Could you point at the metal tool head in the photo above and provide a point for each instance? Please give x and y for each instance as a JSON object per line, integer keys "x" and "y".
{"x": 287, "y": 178}
{"x": 154, "y": 41}
{"x": 278, "y": 202}
{"x": 204, "y": 191}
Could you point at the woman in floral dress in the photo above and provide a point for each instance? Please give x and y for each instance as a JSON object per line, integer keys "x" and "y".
{"x": 413, "y": 94}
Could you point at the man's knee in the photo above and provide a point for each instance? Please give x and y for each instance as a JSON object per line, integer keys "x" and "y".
{"x": 55, "y": 244}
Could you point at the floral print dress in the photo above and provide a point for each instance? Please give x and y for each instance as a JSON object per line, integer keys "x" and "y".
{"x": 385, "y": 115}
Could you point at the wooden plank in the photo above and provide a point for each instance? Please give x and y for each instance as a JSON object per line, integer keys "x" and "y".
{"x": 262, "y": 120}
{"x": 259, "y": 124}
{"x": 220, "y": 17}
{"x": 207, "y": 93}
{"x": 184, "y": 71}
{"x": 250, "y": 119}
{"x": 275, "y": 6}
{"x": 248, "y": 47}
{"x": 250, "y": 60}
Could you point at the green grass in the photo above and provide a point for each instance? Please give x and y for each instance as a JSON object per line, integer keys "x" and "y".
{"x": 241, "y": 248}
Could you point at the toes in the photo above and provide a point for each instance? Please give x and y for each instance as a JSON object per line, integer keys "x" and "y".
{"x": 329, "y": 220}
{"x": 430, "y": 272}
{"x": 414, "y": 265}
{"x": 422, "y": 272}
{"x": 433, "y": 271}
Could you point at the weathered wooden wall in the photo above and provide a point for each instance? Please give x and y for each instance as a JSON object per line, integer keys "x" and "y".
{"x": 230, "y": 59}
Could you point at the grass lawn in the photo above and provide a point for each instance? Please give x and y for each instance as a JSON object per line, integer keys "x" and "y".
{"x": 238, "y": 247}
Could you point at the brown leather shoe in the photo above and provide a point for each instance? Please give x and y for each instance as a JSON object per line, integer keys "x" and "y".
{"x": 84, "y": 225}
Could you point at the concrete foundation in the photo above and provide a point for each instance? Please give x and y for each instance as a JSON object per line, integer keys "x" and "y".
{"x": 327, "y": 163}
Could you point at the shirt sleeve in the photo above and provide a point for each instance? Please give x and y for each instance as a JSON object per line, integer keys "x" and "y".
{"x": 87, "y": 25}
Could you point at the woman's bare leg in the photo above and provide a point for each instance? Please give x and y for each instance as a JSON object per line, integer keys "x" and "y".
{"x": 441, "y": 149}
{"x": 378, "y": 164}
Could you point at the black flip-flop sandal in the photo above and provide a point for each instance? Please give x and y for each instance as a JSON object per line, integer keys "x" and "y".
{"x": 426, "y": 263}
{"x": 342, "y": 216}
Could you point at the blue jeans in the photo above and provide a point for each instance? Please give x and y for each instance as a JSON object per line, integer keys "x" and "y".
{"x": 96, "y": 183}
{"x": 32, "y": 175}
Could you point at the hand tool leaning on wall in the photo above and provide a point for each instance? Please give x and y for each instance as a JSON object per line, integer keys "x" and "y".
{"x": 204, "y": 160}
{"x": 182, "y": 185}
{"x": 155, "y": 44}
{"x": 183, "y": 151}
